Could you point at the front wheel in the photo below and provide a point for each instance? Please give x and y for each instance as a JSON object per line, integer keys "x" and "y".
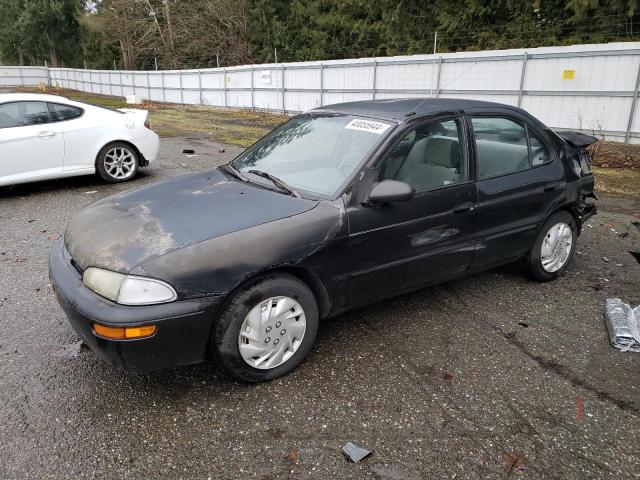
{"x": 117, "y": 162}
{"x": 266, "y": 328}
{"x": 553, "y": 248}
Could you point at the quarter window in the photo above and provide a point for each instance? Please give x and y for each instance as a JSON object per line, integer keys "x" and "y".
{"x": 60, "y": 113}
{"x": 20, "y": 114}
{"x": 539, "y": 151}
{"x": 428, "y": 156}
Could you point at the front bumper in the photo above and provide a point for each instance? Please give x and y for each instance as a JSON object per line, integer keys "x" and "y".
{"x": 183, "y": 327}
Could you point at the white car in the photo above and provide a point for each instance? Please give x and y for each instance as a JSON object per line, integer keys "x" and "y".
{"x": 48, "y": 136}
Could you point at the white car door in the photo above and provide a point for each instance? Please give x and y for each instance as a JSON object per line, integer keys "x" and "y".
{"x": 81, "y": 135}
{"x": 30, "y": 145}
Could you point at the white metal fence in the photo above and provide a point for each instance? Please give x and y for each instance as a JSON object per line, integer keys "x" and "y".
{"x": 591, "y": 88}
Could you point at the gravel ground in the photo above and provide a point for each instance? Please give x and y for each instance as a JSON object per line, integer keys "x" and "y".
{"x": 462, "y": 380}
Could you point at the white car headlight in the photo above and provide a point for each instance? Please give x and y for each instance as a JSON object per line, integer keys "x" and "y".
{"x": 128, "y": 289}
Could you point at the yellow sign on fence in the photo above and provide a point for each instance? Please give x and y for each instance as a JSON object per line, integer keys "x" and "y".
{"x": 568, "y": 74}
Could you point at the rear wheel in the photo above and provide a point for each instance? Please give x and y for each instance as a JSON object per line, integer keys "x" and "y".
{"x": 117, "y": 162}
{"x": 553, "y": 248}
{"x": 266, "y": 328}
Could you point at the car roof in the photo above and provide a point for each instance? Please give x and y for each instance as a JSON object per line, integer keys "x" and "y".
{"x": 402, "y": 109}
{"x": 37, "y": 97}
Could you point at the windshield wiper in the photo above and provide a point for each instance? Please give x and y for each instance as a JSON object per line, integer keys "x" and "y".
{"x": 235, "y": 172}
{"x": 277, "y": 182}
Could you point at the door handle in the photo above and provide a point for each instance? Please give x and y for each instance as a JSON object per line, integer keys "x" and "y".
{"x": 464, "y": 207}
{"x": 550, "y": 186}
{"x": 46, "y": 133}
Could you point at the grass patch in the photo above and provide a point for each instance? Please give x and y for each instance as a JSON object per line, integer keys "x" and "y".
{"x": 617, "y": 181}
{"x": 226, "y": 125}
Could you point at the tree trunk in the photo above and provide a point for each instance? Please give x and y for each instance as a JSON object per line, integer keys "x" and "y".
{"x": 53, "y": 55}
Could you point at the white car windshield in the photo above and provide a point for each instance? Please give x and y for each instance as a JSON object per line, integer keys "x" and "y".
{"x": 316, "y": 153}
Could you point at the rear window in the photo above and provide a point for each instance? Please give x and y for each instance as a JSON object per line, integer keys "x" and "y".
{"x": 61, "y": 113}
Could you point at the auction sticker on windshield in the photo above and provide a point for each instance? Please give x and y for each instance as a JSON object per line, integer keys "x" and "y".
{"x": 367, "y": 126}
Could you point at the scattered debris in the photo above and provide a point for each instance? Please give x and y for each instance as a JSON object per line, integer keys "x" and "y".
{"x": 605, "y": 259}
{"x": 623, "y": 234}
{"x": 54, "y": 237}
{"x": 447, "y": 376}
{"x": 189, "y": 155}
{"x": 523, "y": 324}
{"x": 597, "y": 288}
{"x": 21, "y": 259}
{"x": 189, "y": 151}
{"x": 636, "y": 224}
{"x": 72, "y": 350}
{"x": 623, "y": 325}
{"x": 354, "y": 452}
{"x": 90, "y": 192}
{"x": 579, "y": 412}
{"x": 636, "y": 255}
{"x": 619, "y": 264}
{"x": 222, "y": 150}
{"x": 514, "y": 462}
{"x": 510, "y": 334}
{"x": 292, "y": 455}
{"x": 30, "y": 221}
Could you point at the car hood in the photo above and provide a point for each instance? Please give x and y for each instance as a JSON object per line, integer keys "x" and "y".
{"x": 128, "y": 229}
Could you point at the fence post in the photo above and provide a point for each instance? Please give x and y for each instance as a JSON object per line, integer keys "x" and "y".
{"x": 438, "y": 76}
{"x": 522, "y": 74}
{"x": 21, "y": 77}
{"x": 252, "y": 89}
{"x": 375, "y": 73}
{"x": 632, "y": 113}
{"x": 46, "y": 65}
{"x": 148, "y": 88}
{"x": 321, "y": 84}
{"x": 284, "y": 110}
{"x": 224, "y": 87}
{"x": 180, "y": 85}
{"x": 200, "y": 85}
{"x": 164, "y": 95}
{"x": 122, "y": 94}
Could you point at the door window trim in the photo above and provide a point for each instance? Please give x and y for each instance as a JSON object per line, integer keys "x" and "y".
{"x": 516, "y": 119}
{"x": 464, "y": 135}
{"x": 44, "y": 102}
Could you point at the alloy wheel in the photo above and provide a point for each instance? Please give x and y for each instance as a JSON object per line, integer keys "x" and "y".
{"x": 120, "y": 163}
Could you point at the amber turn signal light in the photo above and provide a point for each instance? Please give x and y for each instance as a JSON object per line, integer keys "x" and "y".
{"x": 123, "y": 333}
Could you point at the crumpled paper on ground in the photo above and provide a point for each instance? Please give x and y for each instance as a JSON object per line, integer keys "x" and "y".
{"x": 623, "y": 324}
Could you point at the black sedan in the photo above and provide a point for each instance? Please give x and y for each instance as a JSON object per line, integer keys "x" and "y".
{"x": 337, "y": 208}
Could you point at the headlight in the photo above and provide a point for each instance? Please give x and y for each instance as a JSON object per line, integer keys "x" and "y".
{"x": 127, "y": 289}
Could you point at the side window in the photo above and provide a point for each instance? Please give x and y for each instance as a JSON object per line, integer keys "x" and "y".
{"x": 20, "y": 114}
{"x": 428, "y": 156}
{"x": 539, "y": 150}
{"x": 501, "y": 146}
{"x": 60, "y": 113}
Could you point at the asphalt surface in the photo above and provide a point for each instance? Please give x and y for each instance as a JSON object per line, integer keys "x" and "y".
{"x": 477, "y": 378}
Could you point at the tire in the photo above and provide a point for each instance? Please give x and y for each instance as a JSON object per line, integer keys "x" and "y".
{"x": 117, "y": 162}
{"x": 265, "y": 328}
{"x": 559, "y": 254}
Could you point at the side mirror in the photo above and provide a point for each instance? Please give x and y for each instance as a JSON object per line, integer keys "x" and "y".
{"x": 391, "y": 191}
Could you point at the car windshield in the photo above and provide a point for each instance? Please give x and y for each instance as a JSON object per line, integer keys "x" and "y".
{"x": 315, "y": 153}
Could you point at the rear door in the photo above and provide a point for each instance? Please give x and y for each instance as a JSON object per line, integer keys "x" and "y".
{"x": 30, "y": 146}
{"x": 404, "y": 244}
{"x": 519, "y": 179}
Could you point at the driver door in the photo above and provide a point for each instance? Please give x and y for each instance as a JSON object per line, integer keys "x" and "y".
{"x": 30, "y": 146}
{"x": 401, "y": 245}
